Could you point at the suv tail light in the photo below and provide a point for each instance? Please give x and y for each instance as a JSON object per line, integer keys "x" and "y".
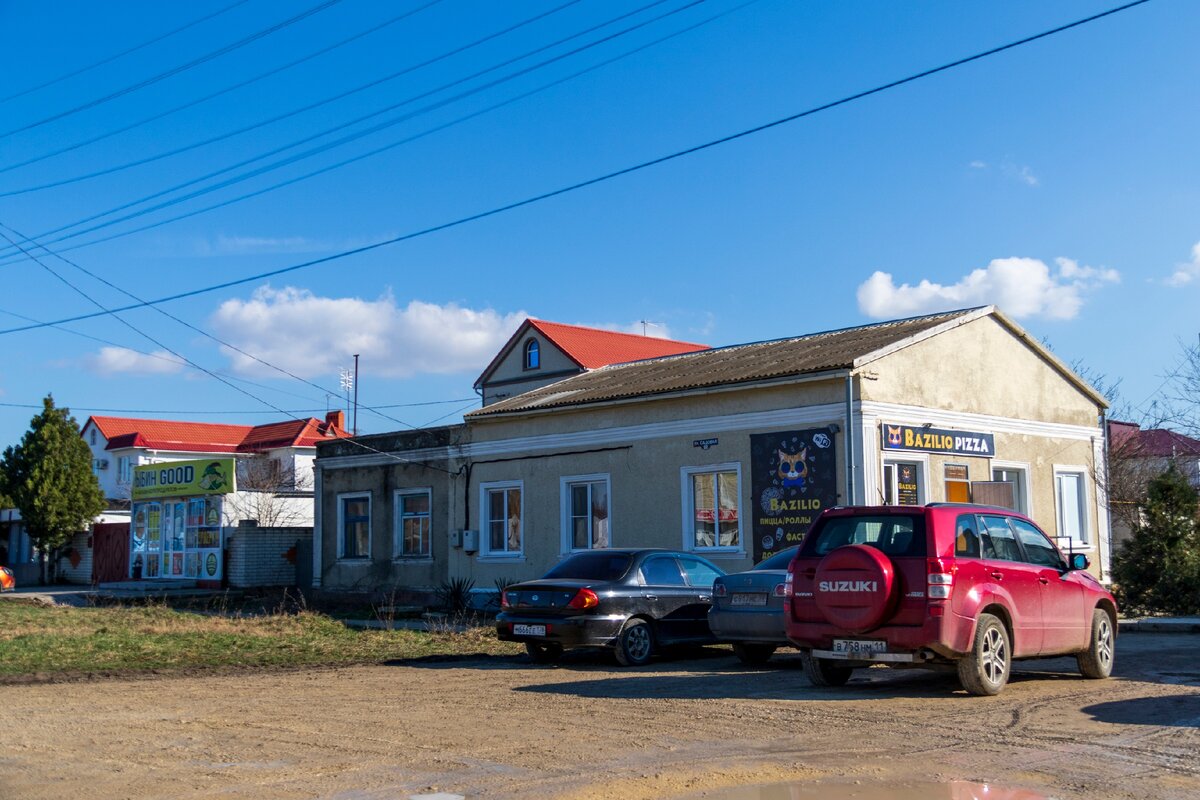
{"x": 584, "y": 599}
{"x": 941, "y": 579}
{"x": 719, "y": 590}
{"x": 789, "y": 585}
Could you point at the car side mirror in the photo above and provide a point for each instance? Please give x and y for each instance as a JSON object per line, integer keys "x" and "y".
{"x": 1080, "y": 562}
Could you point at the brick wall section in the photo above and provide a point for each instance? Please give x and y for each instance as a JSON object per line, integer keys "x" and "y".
{"x": 263, "y": 556}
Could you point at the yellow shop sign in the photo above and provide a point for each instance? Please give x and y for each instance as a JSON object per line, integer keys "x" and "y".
{"x": 185, "y": 478}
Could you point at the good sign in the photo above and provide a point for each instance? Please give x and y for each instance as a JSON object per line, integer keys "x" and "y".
{"x": 184, "y": 478}
{"x": 938, "y": 440}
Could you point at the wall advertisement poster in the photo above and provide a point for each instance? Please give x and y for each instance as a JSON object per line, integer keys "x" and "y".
{"x": 793, "y": 477}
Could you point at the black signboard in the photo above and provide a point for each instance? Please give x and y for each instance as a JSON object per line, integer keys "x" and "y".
{"x": 793, "y": 477}
{"x": 938, "y": 440}
{"x": 908, "y": 485}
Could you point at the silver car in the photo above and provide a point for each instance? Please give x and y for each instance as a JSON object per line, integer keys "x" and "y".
{"x": 747, "y": 608}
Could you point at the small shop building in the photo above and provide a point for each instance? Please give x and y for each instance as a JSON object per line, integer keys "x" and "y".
{"x": 727, "y": 452}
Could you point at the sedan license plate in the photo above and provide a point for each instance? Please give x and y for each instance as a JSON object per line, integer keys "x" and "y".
{"x": 529, "y": 630}
{"x": 748, "y": 599}
{"x": 859, "y": 646}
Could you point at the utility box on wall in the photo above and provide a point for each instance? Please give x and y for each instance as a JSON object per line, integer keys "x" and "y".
{"x": 470, "y": 541}
{"x": 456, "y": 538}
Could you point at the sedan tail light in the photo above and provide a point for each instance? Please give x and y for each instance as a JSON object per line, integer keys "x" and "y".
{"x": 719, "y": 590}
{"x": 781, "y": 589}
{"x": 584, "y": 599}
{"x": 504, "y": 601}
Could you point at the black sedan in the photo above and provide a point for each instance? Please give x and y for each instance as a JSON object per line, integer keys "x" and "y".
{"x": 748, "y": 608}
{"x": 633, "y": 601}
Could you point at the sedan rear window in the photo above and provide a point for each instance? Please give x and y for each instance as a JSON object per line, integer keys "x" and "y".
{"x": 778, "y": 561}
{"x": 593, "y": 566}
{"x": 894, "y": 534}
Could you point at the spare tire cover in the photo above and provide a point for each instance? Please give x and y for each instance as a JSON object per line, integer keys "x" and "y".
{"x": 854, "y": 587}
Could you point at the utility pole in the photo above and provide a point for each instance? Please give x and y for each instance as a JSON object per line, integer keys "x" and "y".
{"x": 355, "y": 423}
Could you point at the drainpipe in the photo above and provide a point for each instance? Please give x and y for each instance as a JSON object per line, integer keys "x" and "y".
{"x": 851, "y": 467}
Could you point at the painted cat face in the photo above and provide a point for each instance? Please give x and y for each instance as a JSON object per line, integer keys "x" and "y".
{"x": 793, "y": 469}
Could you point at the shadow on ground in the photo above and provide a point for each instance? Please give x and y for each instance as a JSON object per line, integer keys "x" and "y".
{"x": 1175, "y": 711}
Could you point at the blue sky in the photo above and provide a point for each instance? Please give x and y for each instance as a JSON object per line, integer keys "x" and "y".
{"x": 1058, "y": 180}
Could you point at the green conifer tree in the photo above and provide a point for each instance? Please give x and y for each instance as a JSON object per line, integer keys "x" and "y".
{"x": 50, "y": 480}
{"x": 1158, "y": 569}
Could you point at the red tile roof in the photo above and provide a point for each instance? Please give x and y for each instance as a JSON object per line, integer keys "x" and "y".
{"x": 211, "y": 437}
{"x": 592, "y": 348}
{"x": 1129, "y": 439}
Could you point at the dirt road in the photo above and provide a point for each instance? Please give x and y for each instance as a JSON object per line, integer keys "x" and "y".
{"x": 505, "y": 728}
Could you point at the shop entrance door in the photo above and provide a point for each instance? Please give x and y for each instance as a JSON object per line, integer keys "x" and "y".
{"x": 110, "y": 552}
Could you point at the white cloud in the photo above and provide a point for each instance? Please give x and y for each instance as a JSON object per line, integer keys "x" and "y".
{"x": 121, "y": 360}
{"x": 312, "y": 335}
{"x": 1187, "y": 273}
{"x": 1023, "y": 174}
{"x": 1022, "y": 287}
{"x": 978, "y": 164}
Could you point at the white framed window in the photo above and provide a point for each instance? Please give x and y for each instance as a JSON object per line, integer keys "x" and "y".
{"x": 1017, "y": 475}
{"x": 125, "y": 469}
{"x": 905, "y": 481}
{"x": 354, "y": 525}
{"x": 712, "y": 499}
{"x": 1070, "y": 500}
{"x": 533, "y": 354}
{"x": 586, "y": 512}
{"x": 502, "y": 510}
{"x": 413, "y": 516}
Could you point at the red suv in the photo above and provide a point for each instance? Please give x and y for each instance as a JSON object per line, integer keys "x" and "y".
{"x": 945, "y": 584}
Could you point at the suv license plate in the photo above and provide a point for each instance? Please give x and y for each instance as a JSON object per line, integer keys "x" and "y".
{"x": 859, "y": 646}
{"x": 748, "y": 599}
{"x": 529, "y": 630}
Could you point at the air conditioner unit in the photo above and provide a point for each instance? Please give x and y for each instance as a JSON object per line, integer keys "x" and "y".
{"x": 104, "y": 463}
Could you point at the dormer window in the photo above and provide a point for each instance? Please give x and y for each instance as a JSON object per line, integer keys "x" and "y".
{"x": 532, "y": 355}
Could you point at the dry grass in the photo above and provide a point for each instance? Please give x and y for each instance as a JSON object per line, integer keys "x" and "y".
{"x": 36, "y": 640}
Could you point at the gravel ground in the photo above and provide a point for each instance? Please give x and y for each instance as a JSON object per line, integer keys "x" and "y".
{"x": 502, "y": 727}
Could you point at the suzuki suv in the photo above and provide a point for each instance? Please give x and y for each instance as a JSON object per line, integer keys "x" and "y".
{"x": 959, "y": 585}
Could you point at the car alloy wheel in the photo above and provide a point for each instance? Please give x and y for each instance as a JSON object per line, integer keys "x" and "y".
{"x": 635, "y": 643}
{"x": 984, "y": 670}
{"x": 1097, "y": 661}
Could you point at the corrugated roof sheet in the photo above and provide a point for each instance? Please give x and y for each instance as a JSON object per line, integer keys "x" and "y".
{"x": 811, "y": 353}
{"x": 1128, "y": 439}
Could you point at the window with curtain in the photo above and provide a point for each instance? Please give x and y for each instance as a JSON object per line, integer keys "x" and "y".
{"x": 714, "y": 500}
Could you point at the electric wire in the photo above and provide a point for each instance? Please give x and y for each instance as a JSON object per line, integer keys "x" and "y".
{"x": 381, "y": 149}
{"x": 606, "y": 176}
{"x": 226, "y": 90}
{"x": 288, "y": 114}
{"x": 142, "y": 84}
{"x": 210, "y": 373}
{"x": 121, "y": 54}
{"x": 177, "y": 319}
{"x": 226, "y": 412}
{"x": 5, "y": 252}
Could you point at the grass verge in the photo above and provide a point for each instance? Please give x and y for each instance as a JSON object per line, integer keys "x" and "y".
{"x": 48, "y": 642}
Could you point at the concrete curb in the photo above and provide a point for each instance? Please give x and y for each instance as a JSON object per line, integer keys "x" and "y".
{"x": 1160, "y": 625}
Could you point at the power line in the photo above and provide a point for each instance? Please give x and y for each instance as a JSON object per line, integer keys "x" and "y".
{"x": 286, "y": 115}
{"x": 607, "y": 176}
{"x": 171, "y": 316}
{"x": 209, "y": 411}
{"x": 122, "y": 54}
{"x": 370, "y": 153}
{"x": 142, "y": 84}
{"x": 226, "y": 90}
{"x": 208, "y": 372}
{"x": 345, "y": 139}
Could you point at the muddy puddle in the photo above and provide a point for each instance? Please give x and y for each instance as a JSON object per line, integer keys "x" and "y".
{"x": 955, "y": 790}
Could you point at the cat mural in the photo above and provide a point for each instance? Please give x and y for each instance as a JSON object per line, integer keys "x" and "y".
{"x": 793, "y": 468}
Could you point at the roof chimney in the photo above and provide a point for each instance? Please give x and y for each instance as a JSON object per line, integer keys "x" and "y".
{"x": 336, "y": 419}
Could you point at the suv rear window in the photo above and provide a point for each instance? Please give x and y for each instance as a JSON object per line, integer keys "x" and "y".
{"x": 593, "y": 566}
{"x": 894, "y": 534}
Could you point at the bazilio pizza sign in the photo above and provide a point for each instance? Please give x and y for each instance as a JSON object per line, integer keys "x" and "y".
{"x": 938, "y": 440}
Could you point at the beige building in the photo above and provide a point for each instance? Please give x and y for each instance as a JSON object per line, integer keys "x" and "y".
{"x": 728, "y": 452}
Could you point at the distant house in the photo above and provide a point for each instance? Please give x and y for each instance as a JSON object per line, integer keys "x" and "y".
{"x": 541, "y": 353}
{"x": 1136, "y": 456}
{"x": 184, "y": 533}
